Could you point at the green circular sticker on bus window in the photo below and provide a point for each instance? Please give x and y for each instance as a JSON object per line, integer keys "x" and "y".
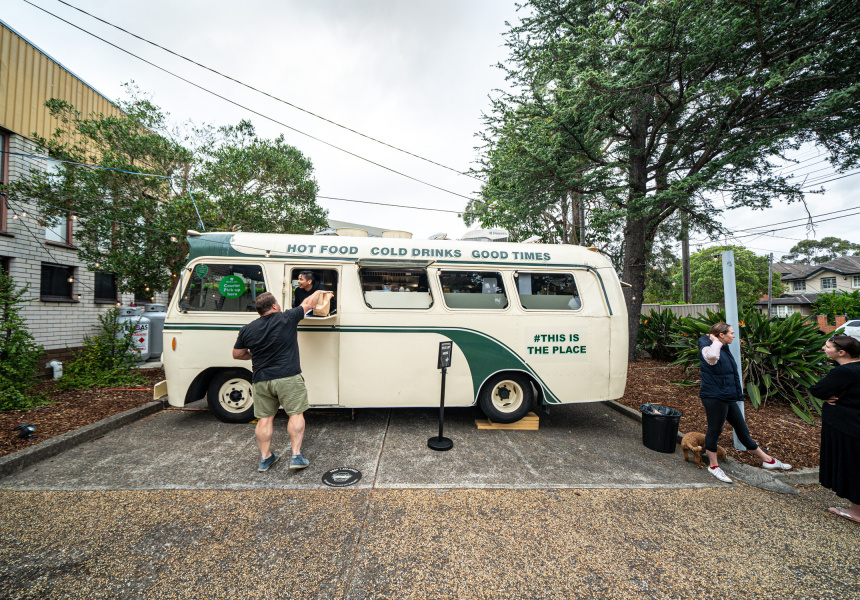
{"x": 231, "y": 286}
{"x": 201, "y": 271}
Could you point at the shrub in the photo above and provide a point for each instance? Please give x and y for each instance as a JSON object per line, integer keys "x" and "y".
{"x": 837, "y": 303}
{"x": 780, "y": 357}
{"x": 106, "y": 359}
{"x": 657, "y": 331}
{"x": 19, "y": 353}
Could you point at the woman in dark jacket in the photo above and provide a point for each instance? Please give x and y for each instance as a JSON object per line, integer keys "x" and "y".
{"x": 840, "y": 424}
{"x": 720, "y": 393}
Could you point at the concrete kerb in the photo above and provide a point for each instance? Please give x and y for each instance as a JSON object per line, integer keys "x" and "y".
{"x": 12, "y": 463}
{"x": 778, "y": 482}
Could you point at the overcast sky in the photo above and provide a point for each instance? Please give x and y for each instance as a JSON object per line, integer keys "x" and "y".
{"x": 414, "y": 74}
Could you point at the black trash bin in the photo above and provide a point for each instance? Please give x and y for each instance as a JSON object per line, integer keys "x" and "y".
{"x": 660, "y": 427}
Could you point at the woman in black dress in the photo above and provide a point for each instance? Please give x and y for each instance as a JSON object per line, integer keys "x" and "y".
{"x": 840, "y": 427}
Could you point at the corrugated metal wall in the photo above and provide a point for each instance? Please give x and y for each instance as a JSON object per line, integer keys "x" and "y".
{"x": 681, "y": 310}
{"x": 28, "y": 78}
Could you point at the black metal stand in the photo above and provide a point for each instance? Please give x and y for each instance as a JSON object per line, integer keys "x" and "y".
{"x": 440, "y": 442}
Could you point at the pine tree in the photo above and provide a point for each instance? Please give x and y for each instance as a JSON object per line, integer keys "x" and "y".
{"x": 19, "y": 352}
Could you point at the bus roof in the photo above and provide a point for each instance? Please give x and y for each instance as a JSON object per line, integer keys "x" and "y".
{"x": 397, "y": 251}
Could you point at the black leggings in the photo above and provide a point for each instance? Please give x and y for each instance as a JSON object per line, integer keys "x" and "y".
{"x": 718, "y": 412}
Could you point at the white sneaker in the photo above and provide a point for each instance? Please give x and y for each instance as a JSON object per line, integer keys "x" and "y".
{"x": 776, "y": 464}
{"x": 720, "y": 474}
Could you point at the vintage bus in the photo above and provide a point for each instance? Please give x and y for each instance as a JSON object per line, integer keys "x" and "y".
{"x": 530, "y": 323}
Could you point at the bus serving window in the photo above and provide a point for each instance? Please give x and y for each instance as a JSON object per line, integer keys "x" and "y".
{"x": 215, "y": 287}
{"x": 547, "y": 291}
{"x": 473, "y": 289}
{"x": 324, "y": 279}
{"x": 395, "y": 288}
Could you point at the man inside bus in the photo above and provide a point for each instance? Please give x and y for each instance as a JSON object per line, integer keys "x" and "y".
{"x": 309, "y": 283}
{"x": 271, "y": 344}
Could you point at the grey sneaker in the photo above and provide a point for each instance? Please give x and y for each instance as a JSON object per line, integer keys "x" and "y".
{"x": 720, "y": 474}
{"x": 298, "y": 462}
{"x": 267, "y": 462}
{"x": 776, "y": 465}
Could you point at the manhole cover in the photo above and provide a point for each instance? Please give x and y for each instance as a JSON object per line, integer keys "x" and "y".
{"x": 341, "y": 477}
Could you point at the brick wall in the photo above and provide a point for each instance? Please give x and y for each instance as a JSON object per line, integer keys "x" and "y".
{"x": 823, "y": 326}
{"x": 55, "y": 325}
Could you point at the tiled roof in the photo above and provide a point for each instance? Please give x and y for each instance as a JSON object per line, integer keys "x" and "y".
{"x": 844, "y": 265}
{"x": 792, "y": 299}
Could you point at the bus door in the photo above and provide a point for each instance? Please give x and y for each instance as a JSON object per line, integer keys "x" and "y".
{"x": 319, "y": 337}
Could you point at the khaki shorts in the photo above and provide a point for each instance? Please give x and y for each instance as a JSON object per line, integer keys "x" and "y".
{"x": 289, "y": 392}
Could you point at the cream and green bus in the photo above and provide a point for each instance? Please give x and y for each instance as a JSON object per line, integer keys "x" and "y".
{"x": 530, "y": 323}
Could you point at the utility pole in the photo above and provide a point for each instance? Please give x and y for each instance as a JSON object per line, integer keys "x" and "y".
{"x": 686, "y": 284}
{"x": 730, "y": 297}
{"x": 769, "y": 282}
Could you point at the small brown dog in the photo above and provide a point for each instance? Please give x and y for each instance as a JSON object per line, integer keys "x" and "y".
{"x": 695, "y": 443}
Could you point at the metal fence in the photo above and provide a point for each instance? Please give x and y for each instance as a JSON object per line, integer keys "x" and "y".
{"x": 680, "y": 310}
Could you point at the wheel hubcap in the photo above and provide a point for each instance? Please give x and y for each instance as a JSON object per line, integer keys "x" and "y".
{"x": 507, "y": 396}
{"x": 236, "y": 396}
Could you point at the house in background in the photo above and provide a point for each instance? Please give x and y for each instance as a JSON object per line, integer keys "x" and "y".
{"x": 804, "y": 283}
{"x": 66, "y": 298}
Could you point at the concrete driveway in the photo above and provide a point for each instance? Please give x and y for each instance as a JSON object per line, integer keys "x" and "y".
{"x": 577, "y": 446}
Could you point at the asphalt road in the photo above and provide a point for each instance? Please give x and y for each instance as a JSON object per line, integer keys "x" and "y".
{"x": 173, "y": 507}
{"x": 587, "y": 445}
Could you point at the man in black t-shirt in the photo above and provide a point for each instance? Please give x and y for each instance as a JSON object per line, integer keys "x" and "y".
{"x": 271, "y": 344}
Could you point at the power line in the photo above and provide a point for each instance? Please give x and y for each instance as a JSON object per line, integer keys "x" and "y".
{"x": 252, "y": 111}
{"x": 71, "y": 162}
{"x": 250, "y": 87}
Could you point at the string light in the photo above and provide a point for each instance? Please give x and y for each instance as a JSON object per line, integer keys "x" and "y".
{"x": 97, "y": 265}
{"x": 24, "y": 214}
{"x": 74, "y": 216}
{"x": 79, "y": 296}
{"x": 172, "y": 238}
{"x": 71, "y": 279}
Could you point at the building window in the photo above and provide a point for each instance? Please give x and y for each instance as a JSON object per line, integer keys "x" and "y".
{"x": 828, "y": 283}
{"x": 214, "y": 287}
{"x": 547, "y": 291}
{"x": 55, "y": 282}
{"x": 473, "y": 289}
{"x": 798, "y": 286}
{"x": 855, "y": 281}
{"x": 396, "y": 288}
{"x": 59, "y": 230}
{"x": 4, "y": 168}
{"x": 4, "y": 264}
{"x": 782, "y": 311}
{"x": 105, "y": 284}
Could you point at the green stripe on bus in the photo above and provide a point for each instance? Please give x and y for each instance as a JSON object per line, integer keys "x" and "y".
{"x": 485, "y": 354}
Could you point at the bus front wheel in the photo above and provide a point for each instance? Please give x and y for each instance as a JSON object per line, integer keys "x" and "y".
{"x": 231, "y": 396}
{"x": 506, "y": 397}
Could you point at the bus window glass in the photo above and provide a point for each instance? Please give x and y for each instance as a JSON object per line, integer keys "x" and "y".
{"x": 473, "y": 289}
{"x": 547, "y": 291}
{"x": 214, "y": 287}
{"x": 395, "y": 288}
{"x": 322, "y": 279}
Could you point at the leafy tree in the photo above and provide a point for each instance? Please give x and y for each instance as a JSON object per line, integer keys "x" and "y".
{"x": 647, "y": 109}
{"x": 240, "y": 182}
{"x": 19, "y": 353}
{"x": 813, "y": 252}
{"x": 706, "y": 275}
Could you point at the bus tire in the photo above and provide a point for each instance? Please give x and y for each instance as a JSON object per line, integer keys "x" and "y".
{"x": 231, "y": 396}
{"x": 506, "y": 397}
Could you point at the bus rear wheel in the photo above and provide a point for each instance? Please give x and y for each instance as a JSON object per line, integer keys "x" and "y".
{"x": 506, "y": 397}
{"x": 231, "y": 396}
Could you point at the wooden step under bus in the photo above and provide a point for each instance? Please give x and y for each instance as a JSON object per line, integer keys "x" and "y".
{"x": 529, "y": 422}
